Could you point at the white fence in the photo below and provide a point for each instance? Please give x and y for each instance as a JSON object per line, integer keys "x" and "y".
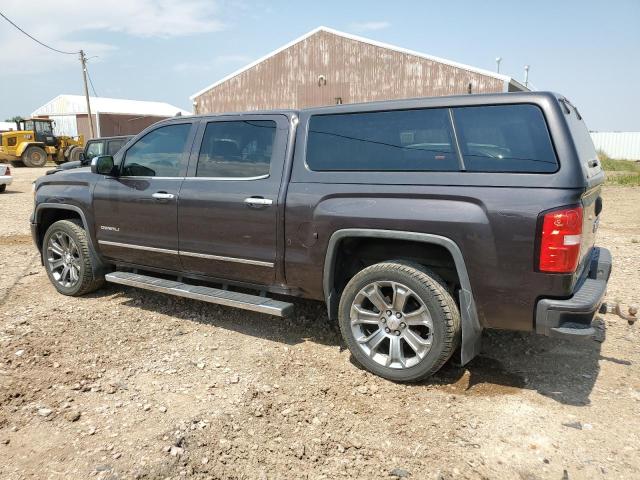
{"x": 618, "y": 144}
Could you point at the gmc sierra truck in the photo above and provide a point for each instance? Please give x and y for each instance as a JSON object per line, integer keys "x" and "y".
{"x": 418, "y": 222}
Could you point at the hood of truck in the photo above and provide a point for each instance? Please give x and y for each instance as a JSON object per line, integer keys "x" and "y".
{"x": 76, "y": 176}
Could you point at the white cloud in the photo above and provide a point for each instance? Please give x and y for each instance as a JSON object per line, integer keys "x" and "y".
{"x": 369, "y": 26}
{"x": 222, "y": 61}
{"x": 63, "y": 24}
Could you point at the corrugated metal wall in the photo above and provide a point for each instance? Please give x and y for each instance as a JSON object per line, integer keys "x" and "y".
{"x": 112, "y": 124}
{"x": 65, "y": 125}
{"x": 624, "y": 145}
{"x": 354, "y": 71}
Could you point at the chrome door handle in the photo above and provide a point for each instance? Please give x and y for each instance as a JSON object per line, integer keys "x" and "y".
{"x": 258, "y": 201}
{"x": 163, "y": 196}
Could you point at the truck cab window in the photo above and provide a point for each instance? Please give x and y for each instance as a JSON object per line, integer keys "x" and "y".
{"x": 94, "y": 149}
{"x": 236, "y": 149}
{"x": 113, "y": 146}
{"x": 158, "y": 154}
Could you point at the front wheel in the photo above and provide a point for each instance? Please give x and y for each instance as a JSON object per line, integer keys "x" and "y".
{"x": 399, "y": 320}
{"x": 67, "y": 259}
{"x": 34, "y": 156}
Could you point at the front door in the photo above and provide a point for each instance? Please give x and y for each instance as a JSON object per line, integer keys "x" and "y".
{"x": 136, "y": 213}
{"x": 228, "y": 206}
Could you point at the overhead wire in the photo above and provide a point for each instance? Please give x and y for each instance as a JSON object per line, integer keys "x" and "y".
{"x": 34, "y": 38}
{"x": 90, "y": 81}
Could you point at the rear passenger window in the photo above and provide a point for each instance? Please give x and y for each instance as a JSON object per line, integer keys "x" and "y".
{"x": 398, "y": 140}
{"x": 114, "y": 146}
{"x": 506, "y": 138}
{"x": 237, "y": 149}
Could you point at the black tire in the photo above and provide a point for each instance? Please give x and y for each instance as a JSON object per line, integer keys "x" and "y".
{"x": 426, "y": 287}
{"x": 3, "y": 187}
{"x": 34, "y": 156}
{"x": 74, "y": 154}
{"x": 87, "y": 281}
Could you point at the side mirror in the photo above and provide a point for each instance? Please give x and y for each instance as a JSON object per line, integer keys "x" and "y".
{"x": 102, "y": 165}
{"x": 82, "y": 157}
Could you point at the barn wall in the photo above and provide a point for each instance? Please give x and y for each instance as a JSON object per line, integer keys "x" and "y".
{"x": 355, "y": 72}
{"x": 82, "y": 121}
{"x": 116, "y": 124}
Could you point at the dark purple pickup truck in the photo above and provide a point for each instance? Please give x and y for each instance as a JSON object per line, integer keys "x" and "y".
{"x": 418, "y": 222}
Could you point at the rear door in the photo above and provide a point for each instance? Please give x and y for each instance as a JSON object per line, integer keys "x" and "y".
{"x": 136, "y": 213}
{"x": 228, "y": 206}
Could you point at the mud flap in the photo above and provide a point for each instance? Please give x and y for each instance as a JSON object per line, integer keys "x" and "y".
{"x": 471, "y": 328}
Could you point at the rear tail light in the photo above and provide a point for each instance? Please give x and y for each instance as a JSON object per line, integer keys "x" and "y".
{"x": 7, "y": 171}
{"x": 560, "y": 240}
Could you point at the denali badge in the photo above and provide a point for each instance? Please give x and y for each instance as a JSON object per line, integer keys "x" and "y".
{"x": 112, "y": 229}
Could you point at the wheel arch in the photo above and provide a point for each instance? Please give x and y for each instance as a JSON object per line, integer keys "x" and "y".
{"x": 24, "y": 145}
{"x": 100, "y": 267}
{"x": 471, "y": 328}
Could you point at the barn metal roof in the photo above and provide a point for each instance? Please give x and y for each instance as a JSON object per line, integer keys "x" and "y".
{"x": 76, "y": 104}
{"x": 505, "y": 78}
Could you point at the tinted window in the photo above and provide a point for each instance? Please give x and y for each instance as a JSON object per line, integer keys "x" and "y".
{"x": 158, "y": 154}
{"x": 236, "y": 149}
{"x": 509, "y": 138}
{"x": 113, "y": 146}
{"x": 94, "y": 149}
{"x": 410, "y": 140}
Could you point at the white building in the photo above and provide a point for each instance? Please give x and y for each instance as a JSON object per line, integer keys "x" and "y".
{"x": 5, "y": 126}
{"x": 111, "y": 116}
{"x": 623, "y": 145}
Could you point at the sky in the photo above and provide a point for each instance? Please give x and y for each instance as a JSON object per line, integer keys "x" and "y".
{"x": 166, "y": 50}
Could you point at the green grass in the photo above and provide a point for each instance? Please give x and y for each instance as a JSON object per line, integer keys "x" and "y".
{"x": 629, "y": 180}
{"x": 613, "y": 165}
{"x": 620, "y": 172}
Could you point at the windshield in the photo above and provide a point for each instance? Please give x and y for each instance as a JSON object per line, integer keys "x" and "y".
{"x": 44, "y": 128}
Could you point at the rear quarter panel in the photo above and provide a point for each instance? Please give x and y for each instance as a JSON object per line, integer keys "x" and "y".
{"x": 495, "y": 228}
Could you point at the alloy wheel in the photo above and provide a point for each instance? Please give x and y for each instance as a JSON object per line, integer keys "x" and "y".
{"x": 63, "y": 258}
{"x": 391, "y": 324}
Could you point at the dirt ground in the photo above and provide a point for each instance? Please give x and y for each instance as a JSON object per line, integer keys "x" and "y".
{"x": 129, "y": 384}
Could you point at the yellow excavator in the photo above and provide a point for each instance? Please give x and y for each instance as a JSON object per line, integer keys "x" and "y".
{"x": 34, "y": 143}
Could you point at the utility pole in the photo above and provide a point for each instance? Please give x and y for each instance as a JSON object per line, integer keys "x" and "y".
{"x": 526, "y": 76}
{"x": 83, "y": 61}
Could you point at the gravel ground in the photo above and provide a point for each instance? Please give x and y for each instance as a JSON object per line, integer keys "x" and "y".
{"x": 129, "y": 384}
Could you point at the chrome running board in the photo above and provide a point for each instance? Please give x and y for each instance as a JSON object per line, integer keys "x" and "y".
{"x": 244, "y": 301}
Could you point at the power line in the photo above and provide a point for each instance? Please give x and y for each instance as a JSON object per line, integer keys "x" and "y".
{"x": 35, "y": 39}
{"x": 90, "y": 81}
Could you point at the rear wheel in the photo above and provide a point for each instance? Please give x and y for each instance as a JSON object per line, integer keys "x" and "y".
{"x": 399, "y": 320}
{"x": 34, "y": 156}
{"x": 67, "y": 259}
{"x": 3, "y": 187}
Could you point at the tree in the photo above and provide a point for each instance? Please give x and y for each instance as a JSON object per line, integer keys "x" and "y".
{"x": 15, "y": 119}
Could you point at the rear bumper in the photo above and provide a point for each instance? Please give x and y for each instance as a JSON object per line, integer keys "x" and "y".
{"x": 572, "y": 317}
{"x": 6, "y": 179}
